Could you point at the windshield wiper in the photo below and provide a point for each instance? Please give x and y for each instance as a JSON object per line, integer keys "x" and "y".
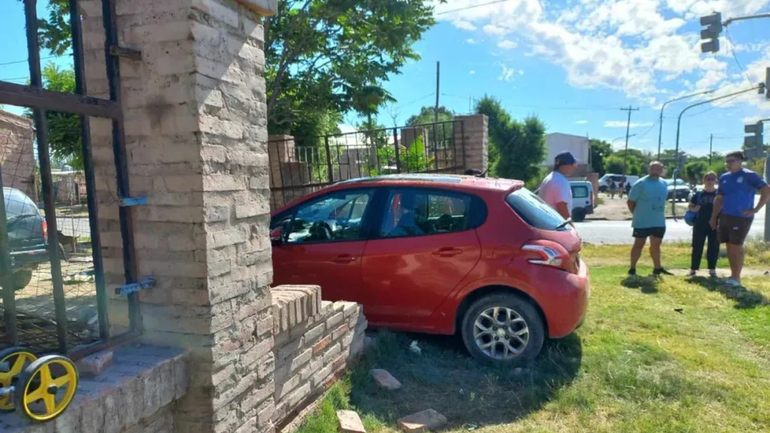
{"x": 566, "y": 222}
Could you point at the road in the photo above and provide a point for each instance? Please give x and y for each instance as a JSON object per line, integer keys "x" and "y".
{"x": 619, "y": 232}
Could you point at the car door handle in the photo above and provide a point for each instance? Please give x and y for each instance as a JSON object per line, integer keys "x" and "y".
{"x": 448, "y": 252}
{"x": 344, "y": 258}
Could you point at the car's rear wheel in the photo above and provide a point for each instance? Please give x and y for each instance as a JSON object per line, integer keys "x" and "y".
{"x": 578, "y": 215}
{"x": 503, "y": 329}
{"x": 21, "y": 279}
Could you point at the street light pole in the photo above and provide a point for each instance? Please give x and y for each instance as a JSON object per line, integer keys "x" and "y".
{"x": 679, "y": 124}
{"x": 660, "y": 126}
{"x": 628, "y": 127}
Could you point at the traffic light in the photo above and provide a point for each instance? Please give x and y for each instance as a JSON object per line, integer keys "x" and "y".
{"x": 756, "y": 140}
{"x": 710, "y": 35}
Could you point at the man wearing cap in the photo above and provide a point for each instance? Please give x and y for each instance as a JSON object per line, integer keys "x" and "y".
{"x": 555, "y": 188}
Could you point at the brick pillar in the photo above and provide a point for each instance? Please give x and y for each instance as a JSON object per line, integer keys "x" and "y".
{"x": 472, "y": 138}
{"x": 196, "y": 135}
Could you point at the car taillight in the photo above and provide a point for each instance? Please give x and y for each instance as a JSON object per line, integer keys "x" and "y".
{"x": 44, "y": 227}
{"x": 547, "y": 253}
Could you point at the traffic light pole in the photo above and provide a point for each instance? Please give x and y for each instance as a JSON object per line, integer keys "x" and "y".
{"x": 748, "y": 17}
{"x": 679, "y": 125}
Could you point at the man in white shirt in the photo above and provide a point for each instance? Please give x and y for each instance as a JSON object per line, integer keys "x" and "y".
{"x": 555, "y": 189}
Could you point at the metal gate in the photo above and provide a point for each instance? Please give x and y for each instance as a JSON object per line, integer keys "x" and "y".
{"x": 301, "y": 165}
{"x": 51, "y": 269}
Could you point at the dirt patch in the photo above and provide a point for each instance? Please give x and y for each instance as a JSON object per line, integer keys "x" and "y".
{"x": 616, "y": 209}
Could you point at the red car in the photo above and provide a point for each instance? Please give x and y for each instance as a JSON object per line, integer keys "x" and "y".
{"x": 440, "y": 254}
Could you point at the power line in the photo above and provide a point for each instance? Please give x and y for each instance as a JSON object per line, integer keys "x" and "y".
{"x": 15, "y": 62}
{"x": 469, "y": 7}
{"x": 735, "y": 56}
{"x": 14, "y": 79}
{"x": 540, "y": 107}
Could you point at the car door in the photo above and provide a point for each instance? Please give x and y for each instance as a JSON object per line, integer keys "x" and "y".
{"x": 424, "y": 244}
{"x": 322, "y": 243}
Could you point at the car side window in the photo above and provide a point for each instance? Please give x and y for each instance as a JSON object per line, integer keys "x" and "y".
{"x": 418, "y": 213}
{"x": 579, "y": 192}
{"x": 331, "y": 218}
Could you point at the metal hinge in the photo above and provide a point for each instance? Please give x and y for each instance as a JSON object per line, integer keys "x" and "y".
{"x": 127, "y": 289}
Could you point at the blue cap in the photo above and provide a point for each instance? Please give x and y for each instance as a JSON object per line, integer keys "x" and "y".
{"x": 565, "y": 158}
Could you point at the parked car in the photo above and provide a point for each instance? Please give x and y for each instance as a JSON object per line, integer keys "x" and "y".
{"x": 606, "y": 180}
{"x": 27, "y": 236}
{"x": 582, "y": 199}
{"x": 484, "y": 258}
{"x": 680, "y": 192}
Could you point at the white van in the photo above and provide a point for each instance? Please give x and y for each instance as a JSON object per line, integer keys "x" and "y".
{"x": 582, "y": 199}
{"x": 606, "y": 180}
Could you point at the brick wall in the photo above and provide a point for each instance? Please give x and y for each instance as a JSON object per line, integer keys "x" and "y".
{"x": 472, "y": 140}
{"x": 314, "y": 341}
{"x": 17, "y": 158}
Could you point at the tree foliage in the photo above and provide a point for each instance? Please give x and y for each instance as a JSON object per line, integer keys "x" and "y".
{"x": 600, "y": 150}
{"x": 694, "y": 171}
{"x": 615, "y": 164}
{"x": 322, "y": 55}
{"x": 63, "y": 128}
{"x": 427, "y": 115}
{"x": 516, "y": 148}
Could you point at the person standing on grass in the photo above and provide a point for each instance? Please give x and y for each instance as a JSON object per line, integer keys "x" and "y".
{"x": 555, "y": 188}
{"x": 647, "y": 202}
{"x": 734, "y": 210}
{"x": 703, "y": 203}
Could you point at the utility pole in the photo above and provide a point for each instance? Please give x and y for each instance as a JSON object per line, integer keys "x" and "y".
{"x": 711, "y": 147}
{"x": 435, "y": 117}
{"x": 628, "y": 129}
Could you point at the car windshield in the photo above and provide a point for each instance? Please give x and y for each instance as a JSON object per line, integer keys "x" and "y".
{"x": 534, "y": 211}
{"x": 18, "y": 204}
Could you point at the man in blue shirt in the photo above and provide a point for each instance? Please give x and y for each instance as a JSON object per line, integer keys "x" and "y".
{"x": 734, "y": 209}
{"x": 647, "y": 202}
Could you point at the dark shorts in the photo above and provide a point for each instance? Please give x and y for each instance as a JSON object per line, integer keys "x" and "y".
{"x": 656, "y": 232}
{"x": 733, "y": 229}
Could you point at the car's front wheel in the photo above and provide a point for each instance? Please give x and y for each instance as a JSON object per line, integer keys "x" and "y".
{"x": 503, "y": 329}
{"x": 21, "y": 279}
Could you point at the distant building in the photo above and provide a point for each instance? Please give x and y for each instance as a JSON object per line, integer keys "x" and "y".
{"x": 17, "y": 158}
{"x": 575, "y": 144}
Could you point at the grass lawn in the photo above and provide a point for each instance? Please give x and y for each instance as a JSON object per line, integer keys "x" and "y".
{"x": 675, "y": 355}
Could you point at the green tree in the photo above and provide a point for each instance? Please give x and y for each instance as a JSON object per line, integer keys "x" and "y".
{"x": 516, "y": 149}
{"x": 614, "y": 164}
{"x": 694, "y": 171}
{"x": 600, "y": 149}
{"x": 427, "y": 115}
{"x": 63, "y": 128}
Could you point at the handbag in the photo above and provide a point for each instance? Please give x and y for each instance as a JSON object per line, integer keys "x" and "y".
{"x": 690, "y": 216}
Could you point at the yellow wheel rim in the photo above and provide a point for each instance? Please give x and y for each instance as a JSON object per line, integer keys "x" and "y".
{"x": 16, "y": 361}
{"x": 50, "y": 390}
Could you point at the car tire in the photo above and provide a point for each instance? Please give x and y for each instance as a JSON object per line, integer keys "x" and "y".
{"x": 578, "y": 215}
{"x": 21, "y": 279}
{"x": 487, "y": 340}
{"x": 602, "y": 188}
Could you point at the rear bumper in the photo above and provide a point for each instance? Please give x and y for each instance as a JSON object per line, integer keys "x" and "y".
{"x": 566, "y": 307}
{"x": 28, "y": 258}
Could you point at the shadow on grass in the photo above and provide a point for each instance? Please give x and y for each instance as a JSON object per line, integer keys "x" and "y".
{"x": 445, "y": 378}
{"x": 648, "y": 285}
{"x": 744, "y": 298}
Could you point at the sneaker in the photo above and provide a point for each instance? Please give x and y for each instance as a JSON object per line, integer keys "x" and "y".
{"x": 712, "y": 273}
{"x": 632, "y": 272}
{"x": 732, "y": 282}
{"x": 692, "y": 273}
{"x": 661, "y": 271}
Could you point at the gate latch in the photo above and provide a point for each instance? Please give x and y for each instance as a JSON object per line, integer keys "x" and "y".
{"x": 133, "y": 201}
{"x": 127, "y": 289}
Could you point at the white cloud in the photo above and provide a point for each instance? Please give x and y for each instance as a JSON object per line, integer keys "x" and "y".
{"x": 508, "y": 74}
{"x": 581, "y": 122}
{"x": 623, "y": 123}
{"x": 472, "y": 72}
{"x": 507, "y": 44}
{"x": 471, "y": 41}
{"x": 464, "y": 25}
{"x": 521, "y": 72}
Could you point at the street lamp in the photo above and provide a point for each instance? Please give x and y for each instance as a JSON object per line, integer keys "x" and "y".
{"x": 660, "y": 131}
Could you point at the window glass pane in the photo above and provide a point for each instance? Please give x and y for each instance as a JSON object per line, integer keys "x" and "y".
{"x": 418, "y": 213}
{"x": 579, "y": 192}
{"x": 534, "y": 211}
{"x": 335, "y": 217}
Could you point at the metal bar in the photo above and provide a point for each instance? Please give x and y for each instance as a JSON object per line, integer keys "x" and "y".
{"x": 80, "y": 352}
{"x": 90, "y": 177}
{"x": 125, "y": 52}
{"x": 6, "y": 278}
{"x": 43, "y": 153}
{"x": 26, "y": 96}
{"x": 133, "y": 201}
{"x": 748, "y": 17}
{"x": 121, "y": 166}
{"x": 127, "y": 289}
{"x": 395, "y": 144}
{"x": 462, "y": 139}
{"x": 329, "y": 159}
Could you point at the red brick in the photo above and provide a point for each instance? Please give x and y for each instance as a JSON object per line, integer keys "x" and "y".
{"x": 340, "y": 331}
{"x": 321, "y": 345}
{"x": 338, "y": 363}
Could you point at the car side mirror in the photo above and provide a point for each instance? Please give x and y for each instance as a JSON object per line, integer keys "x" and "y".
{"x": 276, "y": 236}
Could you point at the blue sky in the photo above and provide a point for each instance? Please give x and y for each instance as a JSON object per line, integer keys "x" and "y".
{"x": 573, "y": 63}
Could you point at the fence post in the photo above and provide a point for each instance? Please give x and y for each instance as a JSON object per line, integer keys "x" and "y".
{"x": 329, "y": 160}
{"x": 6, "y": 278}
{"x": 462, "y": 139}
{"x": 395, "y": 143}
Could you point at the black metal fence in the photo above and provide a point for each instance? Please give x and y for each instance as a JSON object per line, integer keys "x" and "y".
{"x": 301, "y": 165}
{"x": 51, "y": 268}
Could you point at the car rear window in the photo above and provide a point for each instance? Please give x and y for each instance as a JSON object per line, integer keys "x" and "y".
{"x": 534, "y": 211}
{"x": 18, "y": 204}
{"x": 579, "y": 191}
